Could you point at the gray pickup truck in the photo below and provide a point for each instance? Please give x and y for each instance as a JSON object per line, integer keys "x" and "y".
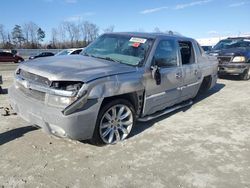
{"x": 119, "y": 79}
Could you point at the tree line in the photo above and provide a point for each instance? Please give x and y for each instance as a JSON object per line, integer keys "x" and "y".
{"x": 68, "y": 34}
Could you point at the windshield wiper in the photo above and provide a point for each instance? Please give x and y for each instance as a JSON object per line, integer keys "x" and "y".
{"x": 111, "y": 59}
{"x": 107, "y": 58}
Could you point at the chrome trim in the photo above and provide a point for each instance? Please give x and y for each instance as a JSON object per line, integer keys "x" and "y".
{"x": 178, "y": 88}
{"x": 30, "y": 85}
{"x": 190, "y": 85}
{"x": 156, "y": 95}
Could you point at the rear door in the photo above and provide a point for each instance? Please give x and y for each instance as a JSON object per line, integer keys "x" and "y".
{"x": 10, "y": 57}
{"x": 1, "y": 57}
{"x": 167, "y": 93}
{"x": 190, "y": 69}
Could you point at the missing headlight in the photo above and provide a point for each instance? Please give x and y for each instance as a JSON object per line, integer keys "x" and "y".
{"x": 67, "y": 85}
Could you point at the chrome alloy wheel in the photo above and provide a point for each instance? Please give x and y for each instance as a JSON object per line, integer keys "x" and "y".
{"x": 116, "y": 124}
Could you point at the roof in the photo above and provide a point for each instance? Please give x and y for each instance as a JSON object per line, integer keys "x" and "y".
{"x": 150, "y": 35}
{"x": 238, "y": 37}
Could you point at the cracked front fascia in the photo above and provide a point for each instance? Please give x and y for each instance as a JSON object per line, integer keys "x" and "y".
{"x": 106, "y": 87}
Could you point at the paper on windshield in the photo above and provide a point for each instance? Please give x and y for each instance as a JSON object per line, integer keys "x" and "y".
{"x": 138, "y": 40}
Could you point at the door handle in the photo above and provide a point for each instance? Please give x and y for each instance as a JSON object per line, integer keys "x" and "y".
{"x": 196, "y": 72}
{"x": 178, "y": 75}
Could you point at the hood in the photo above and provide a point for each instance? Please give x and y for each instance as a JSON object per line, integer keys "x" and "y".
{"x": 74, "y": 68}
{"x": 230, "y": 52}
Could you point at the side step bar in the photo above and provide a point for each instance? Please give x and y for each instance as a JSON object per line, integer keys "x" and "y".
{"x": 166, "y": 111}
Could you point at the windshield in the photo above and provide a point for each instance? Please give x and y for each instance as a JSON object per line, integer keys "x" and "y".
{"x": 64, "y": 52}
{"x": 232, "y": 43}
{"x": 119, "y": 48}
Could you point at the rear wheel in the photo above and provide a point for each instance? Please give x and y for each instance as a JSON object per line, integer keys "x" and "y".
{"x": 245, "y": 75}
{"x": 114, "y": 122}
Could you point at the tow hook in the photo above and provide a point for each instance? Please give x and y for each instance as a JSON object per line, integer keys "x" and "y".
{"x": 7, "y": 111}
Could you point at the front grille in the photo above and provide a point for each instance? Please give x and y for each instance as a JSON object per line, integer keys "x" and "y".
{"x": 224, "y": 59}
{"x": 37, "y": 95}
{"x": 34, "y": 78}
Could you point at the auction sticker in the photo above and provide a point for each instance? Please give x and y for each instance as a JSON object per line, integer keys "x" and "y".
{"x": 138, "y": 40}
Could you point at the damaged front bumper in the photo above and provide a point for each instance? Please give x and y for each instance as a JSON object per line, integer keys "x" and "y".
{"x": 79, "y": 125}
{"x": 233, "y": 68}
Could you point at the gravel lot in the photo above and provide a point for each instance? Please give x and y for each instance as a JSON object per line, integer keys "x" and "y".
{"x": 205, "y": 145}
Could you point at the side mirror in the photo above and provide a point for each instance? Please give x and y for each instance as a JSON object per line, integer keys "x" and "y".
{"x": 156, "y": 74}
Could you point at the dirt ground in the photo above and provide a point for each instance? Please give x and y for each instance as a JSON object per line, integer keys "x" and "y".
{"x": 205, "y": 145}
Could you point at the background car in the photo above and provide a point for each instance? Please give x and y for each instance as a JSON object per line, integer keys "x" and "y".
{"x": 234, "y": 57}
{"x": 9, "y": 57}
{"x": 43, "y": 54}
{"x": 1, "y": 82}
{"x": 73, "y": 51}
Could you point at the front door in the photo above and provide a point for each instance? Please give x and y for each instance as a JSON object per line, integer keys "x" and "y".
{"x": 168, "y": 92}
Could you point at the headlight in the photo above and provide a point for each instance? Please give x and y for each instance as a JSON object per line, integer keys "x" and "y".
{"x": 64, "y": 93}
{"x": 59, "y": 101}
{"x": 238, "y": 59}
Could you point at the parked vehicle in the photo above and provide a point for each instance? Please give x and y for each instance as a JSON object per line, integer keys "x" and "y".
{"x": 9, "y": 57}
{"x": 207, "y": 49}
{"x": 1, "y": 82}
{"x": 118, "y": 79}
{"x": 43, "y": 54}
{"x": 74, "y": 51}
{"x": 234, "y": 56}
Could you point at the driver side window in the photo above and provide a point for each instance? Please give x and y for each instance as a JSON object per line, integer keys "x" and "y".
{"x": 166, "y": 54}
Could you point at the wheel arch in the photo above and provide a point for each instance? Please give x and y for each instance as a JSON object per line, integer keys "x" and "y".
{"x": 205, "y": 84}
{"x": 135, "y": 98}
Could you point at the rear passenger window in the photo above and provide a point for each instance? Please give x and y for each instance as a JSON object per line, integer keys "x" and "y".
{"x": 200, "y": 48}
{"x": 187, "y": 52}
{"x": 166, "y": 54}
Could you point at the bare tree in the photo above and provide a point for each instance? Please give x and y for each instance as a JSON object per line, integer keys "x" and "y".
{"x": 33, "y": 34}
{"x": 109, "y": 29}
{"x": 62, "y": 33}
{"x": 76, "y": 32}
{"x": 68, "y": 27}
{"x": 91, "y": 31}
{"x": 30, "y": 34}
{"x": 82, "y": 30}
{"x": 26, "y": 32}
{"x": 3, "y": 36}
{"x": 54, "y": 37}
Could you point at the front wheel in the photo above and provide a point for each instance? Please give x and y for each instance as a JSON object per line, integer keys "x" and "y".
{"x": 245, "y": 75}
{"x": 114, "y": 122}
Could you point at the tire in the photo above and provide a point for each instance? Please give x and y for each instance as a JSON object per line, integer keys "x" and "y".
{"x": 220, "y": 76}
{"x": 245, "y": 75}
{"x": 114, "y": 122}
{"x": 18, "y": 61}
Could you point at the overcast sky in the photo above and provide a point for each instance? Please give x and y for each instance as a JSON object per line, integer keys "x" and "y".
{"x": 193, "y": 18}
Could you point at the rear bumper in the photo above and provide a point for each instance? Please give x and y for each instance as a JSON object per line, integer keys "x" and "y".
{"x": 233, "y": 68}
{"x": 79, "y": 125}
